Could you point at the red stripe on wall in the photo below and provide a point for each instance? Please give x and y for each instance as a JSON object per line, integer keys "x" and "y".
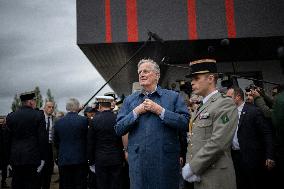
{"x": 191, "y": 18}
{"x": 230, "y": 17}
{"x": 108, "y": 21}
{"x": 131, "y": 14}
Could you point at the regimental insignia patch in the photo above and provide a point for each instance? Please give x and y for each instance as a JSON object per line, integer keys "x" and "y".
{"x": 225, "y": 119}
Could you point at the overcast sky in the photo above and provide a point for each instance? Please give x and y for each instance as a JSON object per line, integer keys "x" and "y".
{"x": 38, "y": 48}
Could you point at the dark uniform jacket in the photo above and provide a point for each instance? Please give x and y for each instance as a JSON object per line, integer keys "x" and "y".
{"x": 104, "y": 146}
{"x": 27, "y": 136}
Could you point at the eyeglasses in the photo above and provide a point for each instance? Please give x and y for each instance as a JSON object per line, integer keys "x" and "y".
{"x": 144, "y": 71}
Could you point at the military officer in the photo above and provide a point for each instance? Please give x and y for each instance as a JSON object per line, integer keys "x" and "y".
{"x": 112, "y": 94}
{"x": 212, "y": 126}
{"x": 28, "y": 142}
{"x": 105, "y": 149}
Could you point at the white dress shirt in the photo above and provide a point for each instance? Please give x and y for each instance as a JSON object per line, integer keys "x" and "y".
{"x": 205, "y": 99}
{"x": 235, "y": 144}
{"x": 50, "y": 131}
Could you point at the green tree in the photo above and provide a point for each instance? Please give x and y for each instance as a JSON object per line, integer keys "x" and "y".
{"x": 50, "y": 98}
{"x": 39, "y": 100}
{"x": 16, "y": 103}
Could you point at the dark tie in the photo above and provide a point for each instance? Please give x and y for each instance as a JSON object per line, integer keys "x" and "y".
{"x": 48, "y": 124}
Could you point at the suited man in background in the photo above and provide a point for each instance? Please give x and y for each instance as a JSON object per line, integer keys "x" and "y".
{"x": 49, "y": 164}
{"x": 3, "y": 151}
{"x": 278, "y": 123}
{"x": 70, "y": 137}
{"x": 252, "y": 147}
{"x": 27, "y": 142}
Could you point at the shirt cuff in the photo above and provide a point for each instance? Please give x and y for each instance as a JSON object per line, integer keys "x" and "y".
{"x": 134, "y": 115}
{"x": 162, "y": 115}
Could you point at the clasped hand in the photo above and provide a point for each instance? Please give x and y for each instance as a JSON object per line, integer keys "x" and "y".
{"x": 148, "y": 105}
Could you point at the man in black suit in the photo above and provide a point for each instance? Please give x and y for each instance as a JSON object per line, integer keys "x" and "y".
{"x": 105, "y": 149}
{"x": 49, "y": 163}
{"x": 252, "y": 148}
{"x": 3, "y": 151}
{"x": 27, "y": 138}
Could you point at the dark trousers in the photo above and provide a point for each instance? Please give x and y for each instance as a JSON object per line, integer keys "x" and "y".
{"x": 46, "y": 172}
{"x": 25, "y": 177}
{"x": 91, "y": 180}
{"x": 109, "y": 177}
{"x": 73, "y": 176}
{"x": 247, "y": 176}
{"x": 125, "y": 176}
{"x": 236, "y": 157}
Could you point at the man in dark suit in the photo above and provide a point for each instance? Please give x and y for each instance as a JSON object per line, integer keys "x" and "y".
{"x": 27, "y": 138}
{"x": 105, "y": 149}
{"x": 49, "y": 163}
{"x": 252, "y": 147}
{"x": 278, "y": 123}
{"x": 89, "y": 113}
{"x": 3, "y": 151}
{"x": 70, "y": 137}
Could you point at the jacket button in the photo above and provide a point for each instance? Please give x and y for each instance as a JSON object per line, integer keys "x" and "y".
{"x": 191, "y": 144}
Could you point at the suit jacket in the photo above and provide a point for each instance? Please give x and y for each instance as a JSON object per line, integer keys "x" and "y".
{"x": 4, "y": 145}
{"x": 70, "y": 137}
{"x": 51, "y": 151}
{"x": 255, "y": 137}
{"x": 209, "y": 150}
{"x": 1, "y": 147}
{"x": 27, "y": 136}
{"x": 278, "y": 123}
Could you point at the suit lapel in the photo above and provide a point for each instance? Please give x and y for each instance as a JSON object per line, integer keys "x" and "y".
{"x": 204, "y": 106}
{"x": 243, "y": 114}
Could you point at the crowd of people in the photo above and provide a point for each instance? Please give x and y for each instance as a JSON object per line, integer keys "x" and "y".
{"x": 157, "y": 139}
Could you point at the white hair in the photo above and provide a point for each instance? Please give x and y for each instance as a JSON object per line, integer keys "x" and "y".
{"x": 72, "y": 105}
{"x": 155, "y": 65}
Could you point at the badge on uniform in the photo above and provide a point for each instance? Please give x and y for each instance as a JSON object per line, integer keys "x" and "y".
{"x": 225, "y": 119}
{"x": 204, "y": 116}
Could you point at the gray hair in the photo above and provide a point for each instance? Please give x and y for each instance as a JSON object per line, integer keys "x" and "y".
{"x": 155, "y": 65}
{"x": 72, "y": 105}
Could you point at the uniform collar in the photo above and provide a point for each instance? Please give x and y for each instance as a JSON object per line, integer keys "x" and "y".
{"x": 208, "y": 96}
